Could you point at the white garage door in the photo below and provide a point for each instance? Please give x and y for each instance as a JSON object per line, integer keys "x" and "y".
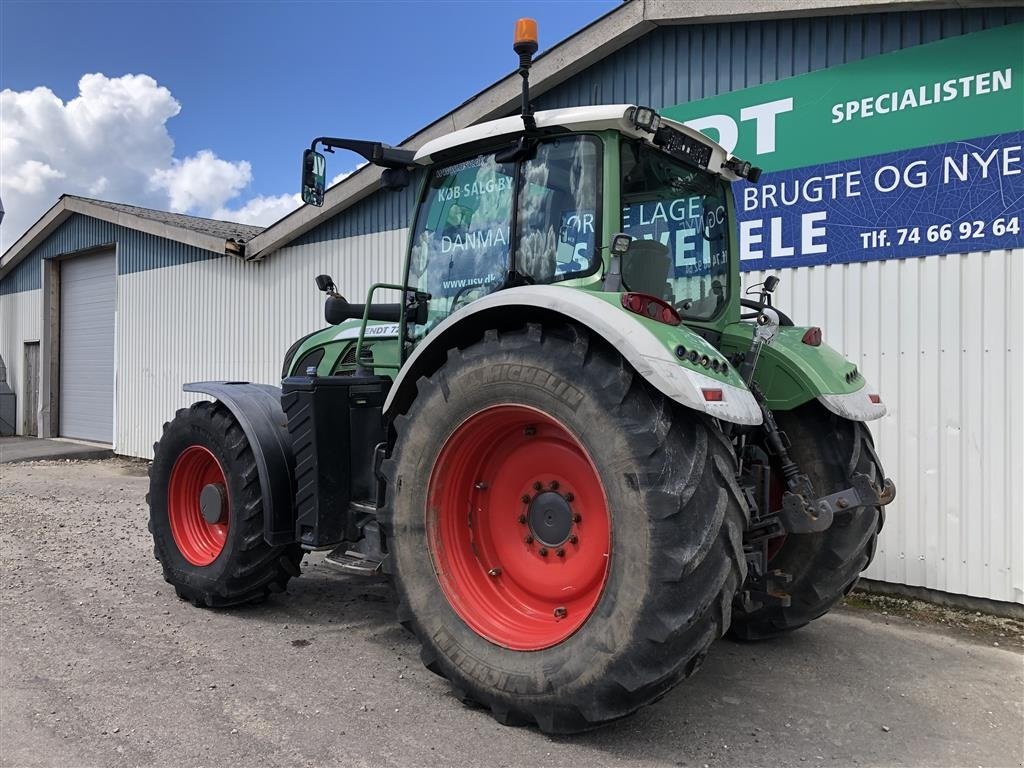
{"x": 87, "y": 300}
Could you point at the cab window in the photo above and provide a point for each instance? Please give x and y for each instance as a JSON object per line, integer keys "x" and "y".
{"x": 558, "y": 213}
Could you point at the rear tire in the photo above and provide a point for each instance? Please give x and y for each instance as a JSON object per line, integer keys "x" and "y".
{"x": 825, "y": 566}
{"x": 673, "y": 520}
{"x": 222, "y": 563}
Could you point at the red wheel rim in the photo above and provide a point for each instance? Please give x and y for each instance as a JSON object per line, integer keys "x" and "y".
{"x": 513, "y": 566}
{"x": 199, "y": 541}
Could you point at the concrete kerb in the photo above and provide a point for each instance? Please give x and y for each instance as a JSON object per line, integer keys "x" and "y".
{"x": 14, "y": 450}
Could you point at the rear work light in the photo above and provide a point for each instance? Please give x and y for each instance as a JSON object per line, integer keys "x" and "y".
{"x": 651, "y": 307}
{"x": 812, "y": 336}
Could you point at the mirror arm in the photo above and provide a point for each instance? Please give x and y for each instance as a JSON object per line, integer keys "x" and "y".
{"x": 373, "y": 151}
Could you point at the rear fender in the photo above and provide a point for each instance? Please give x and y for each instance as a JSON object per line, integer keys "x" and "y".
{"x": 791, "y": 373}
{"x": 649, "y": 347}
{"x": 257, "y": 407}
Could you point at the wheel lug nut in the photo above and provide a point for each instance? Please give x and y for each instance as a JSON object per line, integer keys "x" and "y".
{"x": 537, "y": 486}
{"x": 554, "y": 485}
{"x": 528, "y": 539}
{"x": 577, "y": 518}
{"x": 494, "y": 572}
{"x": 525, "y": 499}
{"x": 530, "y": 431}
{"x": 543, "y": 551}
{"x": 569, "y": 496}
{"x": 560, "y": 612}
{"x": 522, "y": 519}
{"x": 560, "y": 552}
{"x": 480, "y": 485}
{"x": 574, "y": 539}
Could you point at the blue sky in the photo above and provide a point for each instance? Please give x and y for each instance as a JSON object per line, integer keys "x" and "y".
{"x": 253, "y": 83}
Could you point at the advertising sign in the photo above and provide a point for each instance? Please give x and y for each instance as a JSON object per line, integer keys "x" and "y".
{"x": 905, "y": 154}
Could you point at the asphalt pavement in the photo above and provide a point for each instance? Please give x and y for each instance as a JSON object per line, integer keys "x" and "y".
{"x": 101, "y": 665}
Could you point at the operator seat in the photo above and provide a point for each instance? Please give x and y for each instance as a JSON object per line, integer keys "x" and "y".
{"x": 645, "y": 267}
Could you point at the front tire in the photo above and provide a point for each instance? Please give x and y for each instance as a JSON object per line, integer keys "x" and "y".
{"x": 539, "y": 439}
{"x": 206, "y": 512}
{"x": 825, "y": 566}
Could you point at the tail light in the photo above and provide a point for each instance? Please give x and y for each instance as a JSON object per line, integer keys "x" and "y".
{"x": 876, "y": 399}
{"x": 713, "y": 395}
{"x": 812, "y": 337}
{"x": 651, "y": 307}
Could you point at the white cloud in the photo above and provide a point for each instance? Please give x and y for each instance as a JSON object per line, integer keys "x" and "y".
{"x": 344, "y": 175}
{"x": 261, "y": 210}
{"x": 201, "y": 182}
{"x": 264, "y": 210}
{"x": 111, "y": 141}
{"x": 31, "y": 176}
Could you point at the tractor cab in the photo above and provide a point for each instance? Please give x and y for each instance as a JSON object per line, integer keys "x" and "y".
{"x": 502, "y": 206}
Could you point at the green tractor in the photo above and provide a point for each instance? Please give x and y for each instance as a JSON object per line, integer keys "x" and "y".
{"x": 577, "y": 451}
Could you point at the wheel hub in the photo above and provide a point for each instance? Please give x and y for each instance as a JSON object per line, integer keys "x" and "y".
{"x": 550, "y": 518}
{"x": 211, "y": 502}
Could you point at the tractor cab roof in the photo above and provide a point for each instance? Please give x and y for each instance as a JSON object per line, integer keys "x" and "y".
{"x": 617, "y": 117}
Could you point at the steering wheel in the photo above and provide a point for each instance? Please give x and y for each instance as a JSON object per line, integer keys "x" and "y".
{"x": 460, "y": 294}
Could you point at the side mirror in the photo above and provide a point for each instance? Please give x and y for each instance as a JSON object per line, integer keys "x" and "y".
{"x": 325, "y": 283}
{"x": 770, "y": 284}
{"x": 314, "y": 177}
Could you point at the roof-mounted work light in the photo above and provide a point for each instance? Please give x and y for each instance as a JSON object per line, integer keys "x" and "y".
{"x": 646, "y": 119}
{"x": 743, "y": 169}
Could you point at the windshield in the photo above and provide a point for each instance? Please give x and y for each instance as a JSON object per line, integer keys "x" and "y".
{"x": 684, "y": 209}
{"x": 460, "y": 247}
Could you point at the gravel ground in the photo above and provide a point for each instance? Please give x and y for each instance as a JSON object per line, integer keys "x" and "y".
{"x": 100, "y": 664}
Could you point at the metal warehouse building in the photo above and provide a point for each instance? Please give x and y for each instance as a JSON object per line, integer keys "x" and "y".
{"x": 106, "y": 309}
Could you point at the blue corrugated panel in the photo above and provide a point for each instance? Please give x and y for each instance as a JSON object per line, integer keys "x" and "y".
{"x": 677, "y": 64}
{"x": 24, "y": 277}
{"x": 136, "y": 250}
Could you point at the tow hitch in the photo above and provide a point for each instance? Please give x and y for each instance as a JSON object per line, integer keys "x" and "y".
{"x": 801, "y": 516}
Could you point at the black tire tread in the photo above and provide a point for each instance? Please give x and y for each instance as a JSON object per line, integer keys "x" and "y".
{"x": 257, "y": 570}
{"x": 692, "y": 609}
{"x": 843, "y": 551}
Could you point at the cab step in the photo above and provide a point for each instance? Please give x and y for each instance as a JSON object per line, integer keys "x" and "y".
{"x": 347, "y": 560}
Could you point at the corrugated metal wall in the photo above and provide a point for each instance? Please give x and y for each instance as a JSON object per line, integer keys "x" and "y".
{"x": 21, "y": 317}
{"x": 228, "y": 319}
{"x": 940, "y": 338}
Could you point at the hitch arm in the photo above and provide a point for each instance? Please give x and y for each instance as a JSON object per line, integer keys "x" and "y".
{"x": 800, "y": 516}
{"x": 373, "y": 151}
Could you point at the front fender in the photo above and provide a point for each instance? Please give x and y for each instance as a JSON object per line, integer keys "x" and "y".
{"x": 257, "y": 407}
{"x": 791, "y": 373}
{"x": 649, "y": 347}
